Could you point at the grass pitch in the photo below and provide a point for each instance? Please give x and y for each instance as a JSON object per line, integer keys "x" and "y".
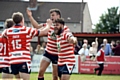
{"x": 48, "y": 76}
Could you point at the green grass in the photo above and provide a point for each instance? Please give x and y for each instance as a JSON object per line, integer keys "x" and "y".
{"x": 48, "y": 76}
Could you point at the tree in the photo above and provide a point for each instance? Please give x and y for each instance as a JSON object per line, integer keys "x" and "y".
{"x": 109, "y": 21}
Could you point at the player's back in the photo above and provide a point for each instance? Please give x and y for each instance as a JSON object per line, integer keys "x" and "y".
{"x": 19, "y": 38}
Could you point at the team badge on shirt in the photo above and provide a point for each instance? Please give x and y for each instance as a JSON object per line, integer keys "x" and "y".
{"x": 53, "y": 36}
{"x": 16, "y": 30}
{"x": 58, "y": 46}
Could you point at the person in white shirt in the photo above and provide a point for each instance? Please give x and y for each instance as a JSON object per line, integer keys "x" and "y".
{"x": 39, "y": 49}
{"x": 83, "y": 52}
{"x": 93, "y": 49}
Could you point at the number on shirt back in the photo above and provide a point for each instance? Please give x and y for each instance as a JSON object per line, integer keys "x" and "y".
{"x": 16, "y": 44}
{"x": 2, "y": 46}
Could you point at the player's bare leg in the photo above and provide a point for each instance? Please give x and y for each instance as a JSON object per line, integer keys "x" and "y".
{"x": 65, "y": 77}
{"x": 7, "y": 76}
{"x": 17, "y": 76}
{"x": 55, "y": 71}
{"x": 24, "y": 76}
{"x": 43, "y": 66}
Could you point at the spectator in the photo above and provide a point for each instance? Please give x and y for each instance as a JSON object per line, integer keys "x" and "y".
{"x": 93, "y": 49}
{"x": 116, "y": 49}
{"x": 77, "y": 48}
{"x": 100, "y": 60}
{"x": 39, "y": 49}
{"x": 107, "y": 47}
{"x": 117, "y": 43}
{"x": 43, "y": 47}
{"x": 85, "y": 41}
{"x": 44, "y": 44}
{"x": 113, "y": 43}
{"x": 83, "y": 52}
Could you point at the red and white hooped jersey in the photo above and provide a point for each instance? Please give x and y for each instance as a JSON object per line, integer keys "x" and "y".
{"x": 51, "y": 46}
{"x": 19, "y": 38}
{"x": 4, "y": 55}
{"x": 65, "y": 49}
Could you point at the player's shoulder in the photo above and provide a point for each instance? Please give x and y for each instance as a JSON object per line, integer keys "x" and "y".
{"x": 65, "y": 26}
{"x": 28, "y": 28}
{"x": 31, "y": 29}
{"x": 67, "y": 31}
{"x": 0, "y": 36}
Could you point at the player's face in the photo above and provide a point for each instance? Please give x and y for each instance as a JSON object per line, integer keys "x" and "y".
{"x": 104, "y": 48}
{"x": 54, "y": 16}
{"x": 57, "y": 28}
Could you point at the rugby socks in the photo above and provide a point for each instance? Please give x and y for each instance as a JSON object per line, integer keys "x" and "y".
{"x": 40, "y": 78}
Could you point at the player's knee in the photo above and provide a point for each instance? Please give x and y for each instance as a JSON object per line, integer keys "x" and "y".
{"x": 41, "y": 72}
{"x": 55, "y": 77}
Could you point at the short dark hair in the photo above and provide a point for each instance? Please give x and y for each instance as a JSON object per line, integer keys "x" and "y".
{"x": 17, "y": 17}
{"x": 102, "y": 45}
{"x": 55, "y": 10}
{"x": 9, "y": 23}
{"x": 60, "y": 20}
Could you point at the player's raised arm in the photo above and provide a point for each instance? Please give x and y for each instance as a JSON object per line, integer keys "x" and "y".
{"x": 44, "y": 31}
{"x": 32, "y": 20}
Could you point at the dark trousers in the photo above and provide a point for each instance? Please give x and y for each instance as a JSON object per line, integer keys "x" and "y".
{"x": 100, "y": 69}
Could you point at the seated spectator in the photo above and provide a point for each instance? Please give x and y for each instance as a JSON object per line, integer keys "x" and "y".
{"x": 93, "y": 49}
{"x": 39, "y": 49}
{"x": 44, "y": 44}
{"x": 116, "y": 49}
{"x": 85, "y": 41}
{"x": 83, "y": 52}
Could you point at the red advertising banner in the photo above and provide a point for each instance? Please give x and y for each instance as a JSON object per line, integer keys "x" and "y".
{"x": 111, "y": 65}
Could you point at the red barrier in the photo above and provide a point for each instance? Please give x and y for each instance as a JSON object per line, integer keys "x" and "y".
{"x": 112, "y": 65}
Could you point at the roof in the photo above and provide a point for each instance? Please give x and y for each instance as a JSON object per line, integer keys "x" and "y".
{"x": 104, "y": 34}
{"x": 70, "y": 10}
{"x": 7, "y": 8}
